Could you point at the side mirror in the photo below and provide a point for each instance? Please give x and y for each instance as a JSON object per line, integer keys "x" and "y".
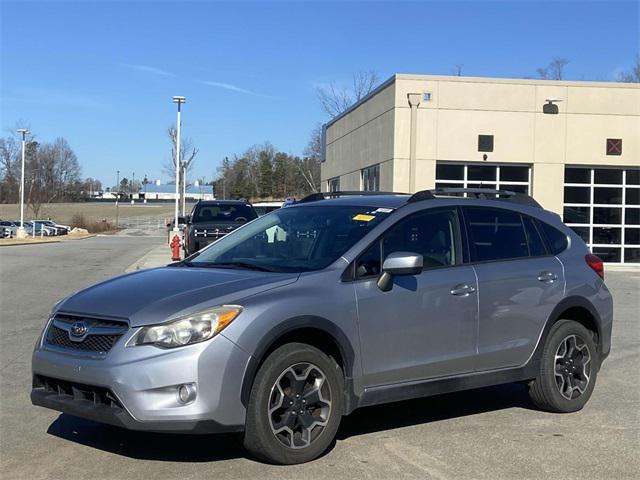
{"x": 399, "y": 263}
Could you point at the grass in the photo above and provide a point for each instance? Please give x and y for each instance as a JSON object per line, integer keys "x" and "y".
{"x": 92, "y": 212}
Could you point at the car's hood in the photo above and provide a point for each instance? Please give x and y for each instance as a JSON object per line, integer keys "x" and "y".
{"x": 152, "y": 296}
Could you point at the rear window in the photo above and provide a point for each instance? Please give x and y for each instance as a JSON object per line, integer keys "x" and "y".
{"x": 223, "y": 213}
{"x": 496, "y": 234}
{"x": 556, "y": 240}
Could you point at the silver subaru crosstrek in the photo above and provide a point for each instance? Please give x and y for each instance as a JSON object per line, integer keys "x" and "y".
{"x": 339, "y": 301}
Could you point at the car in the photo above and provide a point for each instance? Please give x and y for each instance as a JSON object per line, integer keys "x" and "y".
{"x": 8, "y": 228}
{"x": 213, "y": 219}
{"x": 40, "y": 230}
{"x": 337, "y": 302}
{"x": 58, "y": 229}
{"x": 49, "y": 227}
{"x": 262, "y": 208}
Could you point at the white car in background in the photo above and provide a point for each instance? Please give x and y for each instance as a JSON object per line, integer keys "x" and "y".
{"x": 58, "y": 229}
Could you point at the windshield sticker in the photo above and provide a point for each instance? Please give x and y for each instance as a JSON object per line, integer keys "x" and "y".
{"x": 383, "y": 210}
{"x": 363, "y": 218}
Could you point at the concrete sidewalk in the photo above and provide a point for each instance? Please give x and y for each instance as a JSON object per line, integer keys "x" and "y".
{"x": 157, "y": 257}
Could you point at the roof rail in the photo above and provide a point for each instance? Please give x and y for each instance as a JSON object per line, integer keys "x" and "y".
{"x": 322, "y": 195}
{"x": 480, "y": 193}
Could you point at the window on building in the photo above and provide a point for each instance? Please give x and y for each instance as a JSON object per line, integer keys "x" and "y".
{"x": 371, "y": 179}
{"x": 333, "y": 184}
{"x": 602, "y": 205}
{"x": 481, "y": 175}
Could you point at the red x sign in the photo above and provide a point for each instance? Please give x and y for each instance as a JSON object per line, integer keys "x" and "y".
{"x": 614, "y": 146}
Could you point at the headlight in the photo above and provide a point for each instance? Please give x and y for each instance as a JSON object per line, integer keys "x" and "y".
{"x": 189, "y": 329}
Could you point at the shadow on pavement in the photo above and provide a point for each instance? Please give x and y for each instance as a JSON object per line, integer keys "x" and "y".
{"x": 434, "y": 409}
{"x": 145, "y": 445}
{"x": 208, "y": 448}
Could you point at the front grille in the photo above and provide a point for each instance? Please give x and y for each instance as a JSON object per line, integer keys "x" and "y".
{"x": 93, "y": 343}
{"x": 214, "y": 233}
{"x": 102, "y": 334}
{"x": 77, "y": 391}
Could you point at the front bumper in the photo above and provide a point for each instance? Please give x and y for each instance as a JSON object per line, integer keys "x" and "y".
{"x": 136, "y": 387}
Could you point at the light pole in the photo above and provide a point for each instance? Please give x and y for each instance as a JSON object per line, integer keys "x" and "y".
{"x": 179, "y": 100}
{"x": 184, "y": 187}
{"x": 117, "y": 197}
{"x": 21, "y": 232}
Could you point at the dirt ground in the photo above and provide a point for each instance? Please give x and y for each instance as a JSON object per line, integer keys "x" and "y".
{"x": 63, "y": 212}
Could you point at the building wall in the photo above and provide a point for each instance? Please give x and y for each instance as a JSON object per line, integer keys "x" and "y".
{"x": 362, "y": 138}
{"x": 379, "y": 130}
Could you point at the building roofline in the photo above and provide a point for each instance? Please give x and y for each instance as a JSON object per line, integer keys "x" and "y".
{"x": 523, "y": 81}
{"x": 391, "y": 80}
{"x": 455, "y": 78}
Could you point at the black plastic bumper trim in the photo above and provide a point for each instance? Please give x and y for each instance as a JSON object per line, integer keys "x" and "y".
{"x": 121, "y": 418}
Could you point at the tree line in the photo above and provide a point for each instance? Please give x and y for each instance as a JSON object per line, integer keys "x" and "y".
{"x": 264, "y": 172}
{"x": 52, "y": 172}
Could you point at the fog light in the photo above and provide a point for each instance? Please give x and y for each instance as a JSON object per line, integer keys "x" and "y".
{"x": 186, "y": 393}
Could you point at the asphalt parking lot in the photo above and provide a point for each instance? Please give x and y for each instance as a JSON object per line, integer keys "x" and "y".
{"x": 487, "y": 433}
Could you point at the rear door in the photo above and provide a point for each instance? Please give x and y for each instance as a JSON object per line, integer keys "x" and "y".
{"x": 426, "y": 325}
{"x": 519, "y": 284}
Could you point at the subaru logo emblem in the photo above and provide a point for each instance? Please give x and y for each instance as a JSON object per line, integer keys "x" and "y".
{"x": 78, "y": 329}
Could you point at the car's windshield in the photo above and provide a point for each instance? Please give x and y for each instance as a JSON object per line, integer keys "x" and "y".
{"x": 294, "y": 239}
{"x": 223, "y": 212}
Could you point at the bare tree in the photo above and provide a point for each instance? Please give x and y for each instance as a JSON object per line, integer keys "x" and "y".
{"x": 336, "y": 99}
{"x": 553, "y": 71}
{"x": 187, "y": 155}
{"x": 632, "y": 75}
{"x": 457, "y": 69}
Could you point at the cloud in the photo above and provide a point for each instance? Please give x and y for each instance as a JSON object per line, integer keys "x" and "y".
{"x": 228, "y": 86}
{"x": 53, "y": 98}
{"x": 148, "y": 69}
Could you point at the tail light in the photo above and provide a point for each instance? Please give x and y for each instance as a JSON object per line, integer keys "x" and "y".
{"x": 595, "y": 263}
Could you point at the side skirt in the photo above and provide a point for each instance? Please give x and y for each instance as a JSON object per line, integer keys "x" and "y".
{"x": 426, "y": 388}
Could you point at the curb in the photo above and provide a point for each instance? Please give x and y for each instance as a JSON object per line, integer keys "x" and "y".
{"x": 163, "y": 258}
{"x": 15, "y": 243}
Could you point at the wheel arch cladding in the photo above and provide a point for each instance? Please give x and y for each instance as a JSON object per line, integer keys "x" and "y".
{"x": 580, "y": 310}
{"x": 312, "y": 330}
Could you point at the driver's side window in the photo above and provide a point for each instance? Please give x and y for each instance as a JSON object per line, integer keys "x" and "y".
{"x": 431, "y": 233}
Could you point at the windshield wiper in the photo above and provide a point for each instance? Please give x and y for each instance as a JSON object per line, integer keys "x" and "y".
{"x": 248, "y": 266}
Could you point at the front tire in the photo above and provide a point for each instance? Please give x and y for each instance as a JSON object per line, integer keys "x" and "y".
{"x": 295, "y": 405}
{"x": 568, "y": 369}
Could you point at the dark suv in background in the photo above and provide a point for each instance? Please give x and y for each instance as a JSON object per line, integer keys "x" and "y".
{"x": 211, "y": 220}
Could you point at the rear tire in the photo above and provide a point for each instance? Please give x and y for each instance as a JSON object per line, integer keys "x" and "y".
{"x": 295, "y": 406}
{"x": 568, "y": 369}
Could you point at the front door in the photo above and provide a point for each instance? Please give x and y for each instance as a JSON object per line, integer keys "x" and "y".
{"x": 426, "y": 325}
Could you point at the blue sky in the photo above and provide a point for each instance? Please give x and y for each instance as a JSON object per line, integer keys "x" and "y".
{"x": 102, "y": 74}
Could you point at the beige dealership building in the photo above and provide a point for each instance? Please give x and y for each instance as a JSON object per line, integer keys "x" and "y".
{"x": 574, "y": 146}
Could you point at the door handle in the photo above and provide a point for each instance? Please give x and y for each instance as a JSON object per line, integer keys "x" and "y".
{"x": 462, "y": 290}
{"x": 547, "y": 277}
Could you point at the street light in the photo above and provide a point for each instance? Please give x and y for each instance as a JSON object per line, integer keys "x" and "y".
{"x": 117, "y": 197}
{"x": 21, "y": 232}
{"x": 179, "y": 100}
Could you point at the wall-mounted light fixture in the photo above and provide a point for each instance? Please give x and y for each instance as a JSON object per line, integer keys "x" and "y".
{"x": 550, "y": 107}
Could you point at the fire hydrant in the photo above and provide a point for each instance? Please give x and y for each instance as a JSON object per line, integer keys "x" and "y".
{"x": 175, "y": 248}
